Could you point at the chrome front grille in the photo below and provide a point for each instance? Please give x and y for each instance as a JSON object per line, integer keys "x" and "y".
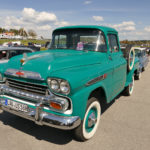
{"x": 27, "y": 87}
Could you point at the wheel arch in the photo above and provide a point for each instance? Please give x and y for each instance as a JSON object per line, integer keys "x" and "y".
{"x": 100, "y": 94}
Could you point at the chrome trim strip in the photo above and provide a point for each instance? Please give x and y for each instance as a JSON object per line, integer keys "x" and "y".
{"x": 26, "y": 74}
{"x": 95, "y": 80}
{"x": 22, "y": 84}
{"x": 43, "y": 118}
{"x": 27, "y": 82}
{"x": 27, "y": 89}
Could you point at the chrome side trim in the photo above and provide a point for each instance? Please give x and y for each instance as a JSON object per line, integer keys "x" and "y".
{"x": 42, "y": 118}
{"x": 95, "y": 80}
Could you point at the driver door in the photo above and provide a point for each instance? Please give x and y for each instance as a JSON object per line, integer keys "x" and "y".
{"x": 119, "y": 64}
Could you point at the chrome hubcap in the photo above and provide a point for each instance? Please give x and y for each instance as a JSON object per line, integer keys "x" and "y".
{"x": 92, "y": 120}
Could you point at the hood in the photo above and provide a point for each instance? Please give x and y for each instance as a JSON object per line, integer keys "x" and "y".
{"x": 50, "y": 61}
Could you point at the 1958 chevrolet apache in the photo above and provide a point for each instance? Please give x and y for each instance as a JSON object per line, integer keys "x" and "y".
{"x": 66, "y": 86}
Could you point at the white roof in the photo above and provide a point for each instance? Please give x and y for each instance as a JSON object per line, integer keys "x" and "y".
{"x": 15, "y": 48}
{"x": 139, "y": 48}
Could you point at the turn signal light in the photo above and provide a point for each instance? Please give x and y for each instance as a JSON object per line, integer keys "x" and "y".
{"x": 55, "y": 105}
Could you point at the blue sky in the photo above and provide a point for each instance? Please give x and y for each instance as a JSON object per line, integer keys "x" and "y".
{"x": 129, "y": 17}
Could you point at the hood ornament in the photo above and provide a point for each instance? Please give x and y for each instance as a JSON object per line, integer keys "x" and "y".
{"x": 24, "y": 59}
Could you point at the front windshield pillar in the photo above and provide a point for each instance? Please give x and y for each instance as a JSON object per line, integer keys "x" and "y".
{"x": 98, "y": 42}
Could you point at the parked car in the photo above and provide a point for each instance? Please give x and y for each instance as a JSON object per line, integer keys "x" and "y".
{"x": 137, "y": 72}
{"x": 8, "y": 52}
{"x": 141, "y": 53}
{"x": 148, "y": 51}
{"x": 67, "y": 86}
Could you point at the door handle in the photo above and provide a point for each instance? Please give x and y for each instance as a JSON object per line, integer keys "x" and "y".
{"x": 110, "y": 57}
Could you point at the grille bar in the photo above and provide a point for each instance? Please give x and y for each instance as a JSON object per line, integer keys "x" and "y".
{"x": 27, "y": 87}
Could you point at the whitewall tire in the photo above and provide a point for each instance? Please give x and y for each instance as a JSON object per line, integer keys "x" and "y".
{"x": 89, "y": 124}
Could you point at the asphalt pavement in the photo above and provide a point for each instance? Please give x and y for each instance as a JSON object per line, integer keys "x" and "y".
{"x": 125, "y": 125}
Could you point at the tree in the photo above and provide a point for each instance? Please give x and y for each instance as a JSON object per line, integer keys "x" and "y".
{"x": 22, "y": 32}
{"x": 32, "y": 33}
{"x": 15, "y": 31}
{"x": 1, "y": 30}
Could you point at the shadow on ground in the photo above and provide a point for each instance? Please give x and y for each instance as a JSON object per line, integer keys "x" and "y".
{"x": 39, "y": 132}
{"x": 49, "y": 134}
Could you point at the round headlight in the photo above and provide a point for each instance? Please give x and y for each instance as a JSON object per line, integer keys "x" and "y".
{"x": 54, "y": 85}
{"x": 64, "y": 87}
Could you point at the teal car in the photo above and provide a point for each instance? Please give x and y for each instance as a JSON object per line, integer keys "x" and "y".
{"x": 66, "y": 86}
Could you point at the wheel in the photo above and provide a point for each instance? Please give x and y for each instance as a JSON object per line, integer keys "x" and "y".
{"x": 138, "y": 76}
{"x": 129, "y": 54}
{"x": 143, "y": 69}
{"x": 129, "y": 89}
{"x": 91, "y": 120}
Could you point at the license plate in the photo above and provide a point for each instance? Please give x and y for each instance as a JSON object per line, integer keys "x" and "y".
{"x": 16, "y": 106}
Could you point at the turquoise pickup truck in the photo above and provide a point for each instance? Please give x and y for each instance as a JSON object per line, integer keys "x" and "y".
{"x": 66, "y": 86}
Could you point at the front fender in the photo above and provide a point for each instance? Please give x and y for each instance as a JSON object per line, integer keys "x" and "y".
{"x": 80, "y": 98}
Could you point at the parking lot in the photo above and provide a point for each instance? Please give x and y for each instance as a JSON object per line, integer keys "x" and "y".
{"x": 125, "y": 125}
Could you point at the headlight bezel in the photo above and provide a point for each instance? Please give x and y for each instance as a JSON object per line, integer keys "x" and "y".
{"x": 2, "y": 78}
{"x": 59, "y": 81}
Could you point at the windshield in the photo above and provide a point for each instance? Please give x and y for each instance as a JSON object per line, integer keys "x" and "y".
{"x": 78, "y": 39}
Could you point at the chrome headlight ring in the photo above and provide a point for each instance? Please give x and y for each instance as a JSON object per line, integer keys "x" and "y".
{"x": 59, "y": 85}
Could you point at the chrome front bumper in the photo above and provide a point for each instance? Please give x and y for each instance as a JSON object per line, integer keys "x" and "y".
{"x": 43, "y": 118}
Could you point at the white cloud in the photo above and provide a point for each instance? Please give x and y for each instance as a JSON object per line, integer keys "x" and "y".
{"x": 147, "y": 29}
{"x": 125, "y": 26}
{"x": 34, "y": 16}
{"x": 44, "y": 27}
{"x": 127, "y": 30}
{"x": 98, "y": 18}
{"x": 62, "y": 23}
{"x": 87, "y": 2}
{"x": 42, "y": 22}
{"x": 28, "y": 13}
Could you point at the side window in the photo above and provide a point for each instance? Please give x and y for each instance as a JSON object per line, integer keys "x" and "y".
{"x": 61, "y": 41}
{"x": 113, "y": 43}
{"x": 13, "y": 53}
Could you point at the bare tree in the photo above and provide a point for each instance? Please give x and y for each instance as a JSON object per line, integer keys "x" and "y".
{"x": 22, "y": 32}
{"x": 32, "y": 33}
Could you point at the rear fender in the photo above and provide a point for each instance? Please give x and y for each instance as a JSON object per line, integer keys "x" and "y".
{"x": 129, "y": 76}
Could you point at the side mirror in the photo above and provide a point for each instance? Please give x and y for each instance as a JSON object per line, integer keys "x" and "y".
{"x": 116, "y": 49}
